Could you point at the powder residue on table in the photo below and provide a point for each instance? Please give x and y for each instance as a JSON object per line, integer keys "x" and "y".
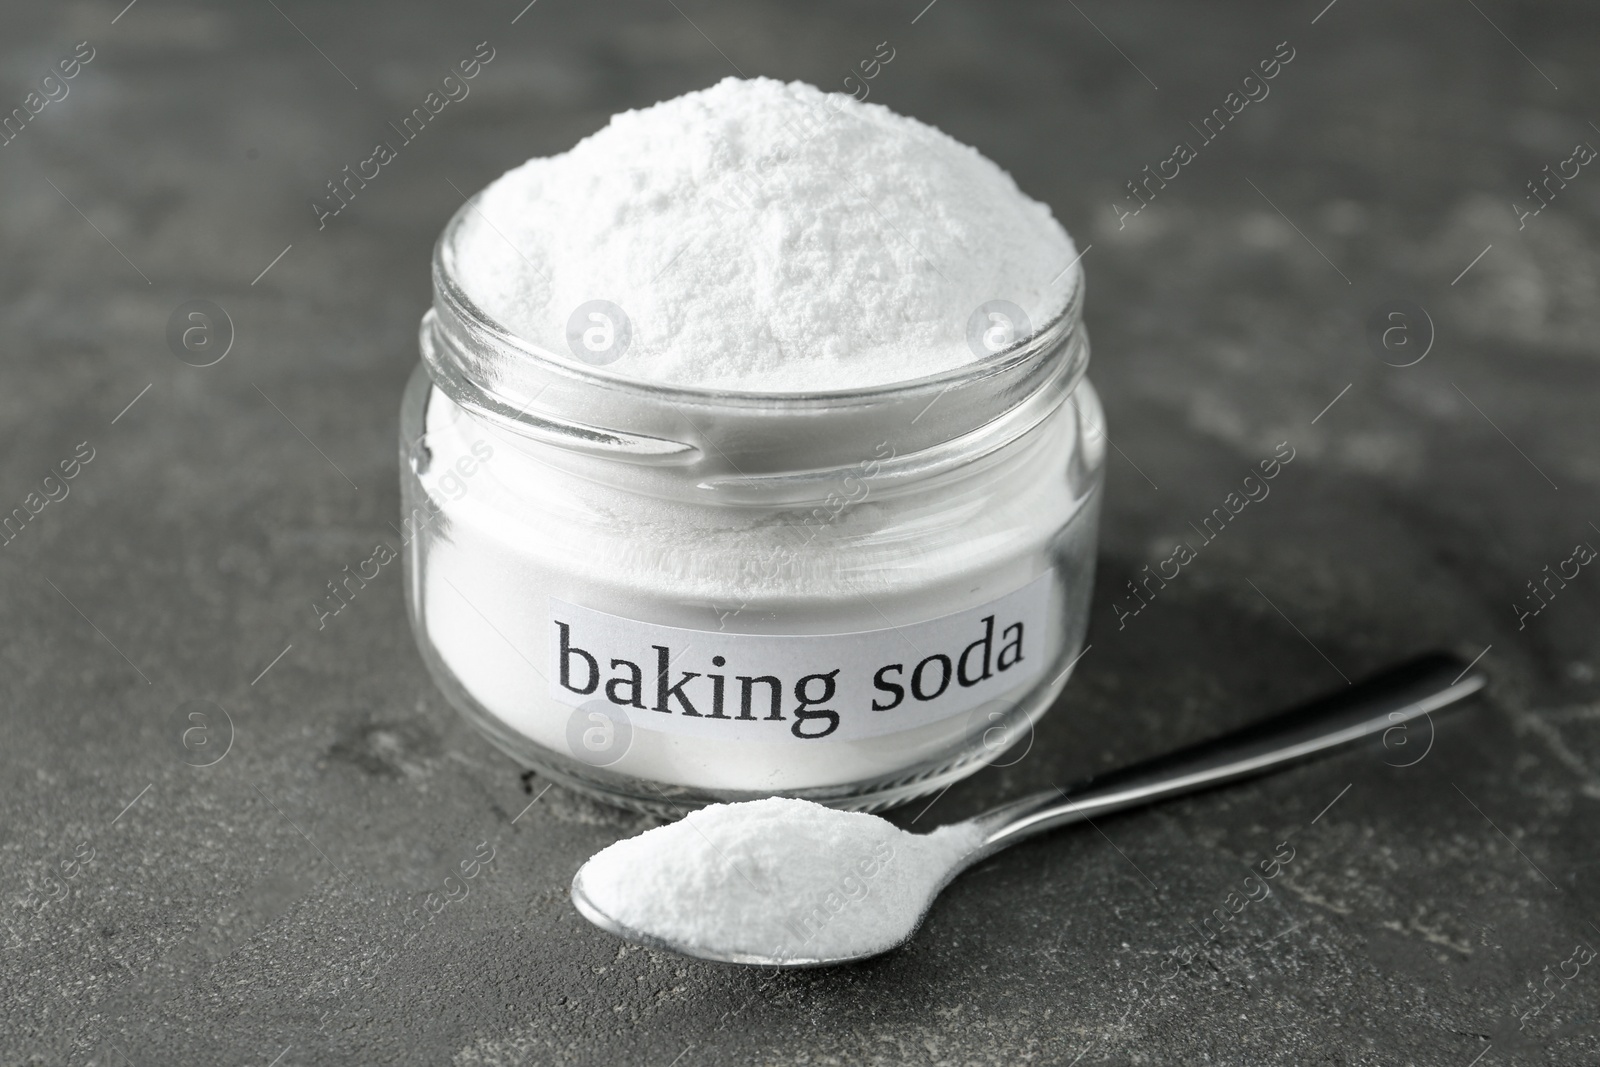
{"x": 767, "y": 237}
{"x": 777, "y": 879}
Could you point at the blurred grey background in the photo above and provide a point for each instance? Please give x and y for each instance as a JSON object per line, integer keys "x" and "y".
{"x": 263, "y": 909}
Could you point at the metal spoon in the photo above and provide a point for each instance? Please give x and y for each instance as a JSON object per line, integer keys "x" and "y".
{"x": 1376, "y": 705}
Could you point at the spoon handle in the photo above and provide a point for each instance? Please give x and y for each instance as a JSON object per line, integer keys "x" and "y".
{"x": 1375, "y": 705}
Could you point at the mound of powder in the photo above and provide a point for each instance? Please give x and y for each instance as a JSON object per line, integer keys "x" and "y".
{"x": 768, "y": 237}
{"x": 777, "y": 879}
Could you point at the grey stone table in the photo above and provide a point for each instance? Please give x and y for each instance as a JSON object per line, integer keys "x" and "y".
{"x": 263, "y": 910}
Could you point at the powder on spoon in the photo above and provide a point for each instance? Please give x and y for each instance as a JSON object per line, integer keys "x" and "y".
{"x": 776, "y": 879}
{"x": 762, "y": 236}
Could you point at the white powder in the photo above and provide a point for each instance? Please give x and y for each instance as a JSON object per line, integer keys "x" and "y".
{"x": 525, "y": 532}
{"x": 762, "y": 236}
{"x": 777, "y": 879}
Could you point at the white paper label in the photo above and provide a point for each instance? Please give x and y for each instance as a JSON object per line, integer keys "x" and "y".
{"x": 797, "y": 688}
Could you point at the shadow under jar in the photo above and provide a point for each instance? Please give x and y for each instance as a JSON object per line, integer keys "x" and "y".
{"x": 667, "y": 596}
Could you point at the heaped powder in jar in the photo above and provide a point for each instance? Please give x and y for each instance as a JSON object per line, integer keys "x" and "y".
{"x": 767, "y": 236}
{"x": 751, "y": 455}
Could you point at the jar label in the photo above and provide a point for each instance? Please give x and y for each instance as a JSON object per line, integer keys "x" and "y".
{"x": 798, "y": 687}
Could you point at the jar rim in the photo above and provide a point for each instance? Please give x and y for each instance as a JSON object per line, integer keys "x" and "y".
{"x": 450, "y": 297}
{"x": 493, "y": 372}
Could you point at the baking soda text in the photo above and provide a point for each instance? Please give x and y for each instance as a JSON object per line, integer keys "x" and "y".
{"x": 730, "y": 695}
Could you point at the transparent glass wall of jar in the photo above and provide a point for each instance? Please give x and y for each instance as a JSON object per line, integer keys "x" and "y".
{"x": 533, "y": 486}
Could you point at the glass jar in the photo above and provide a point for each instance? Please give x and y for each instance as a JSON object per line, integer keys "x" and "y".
{"x": 668, "y": 596}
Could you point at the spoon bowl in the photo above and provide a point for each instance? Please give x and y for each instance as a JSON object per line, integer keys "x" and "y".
{"x": 591, "y": 911}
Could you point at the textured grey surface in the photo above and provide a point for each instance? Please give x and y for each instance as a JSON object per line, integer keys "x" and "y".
{"x": 262, "y": 910}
